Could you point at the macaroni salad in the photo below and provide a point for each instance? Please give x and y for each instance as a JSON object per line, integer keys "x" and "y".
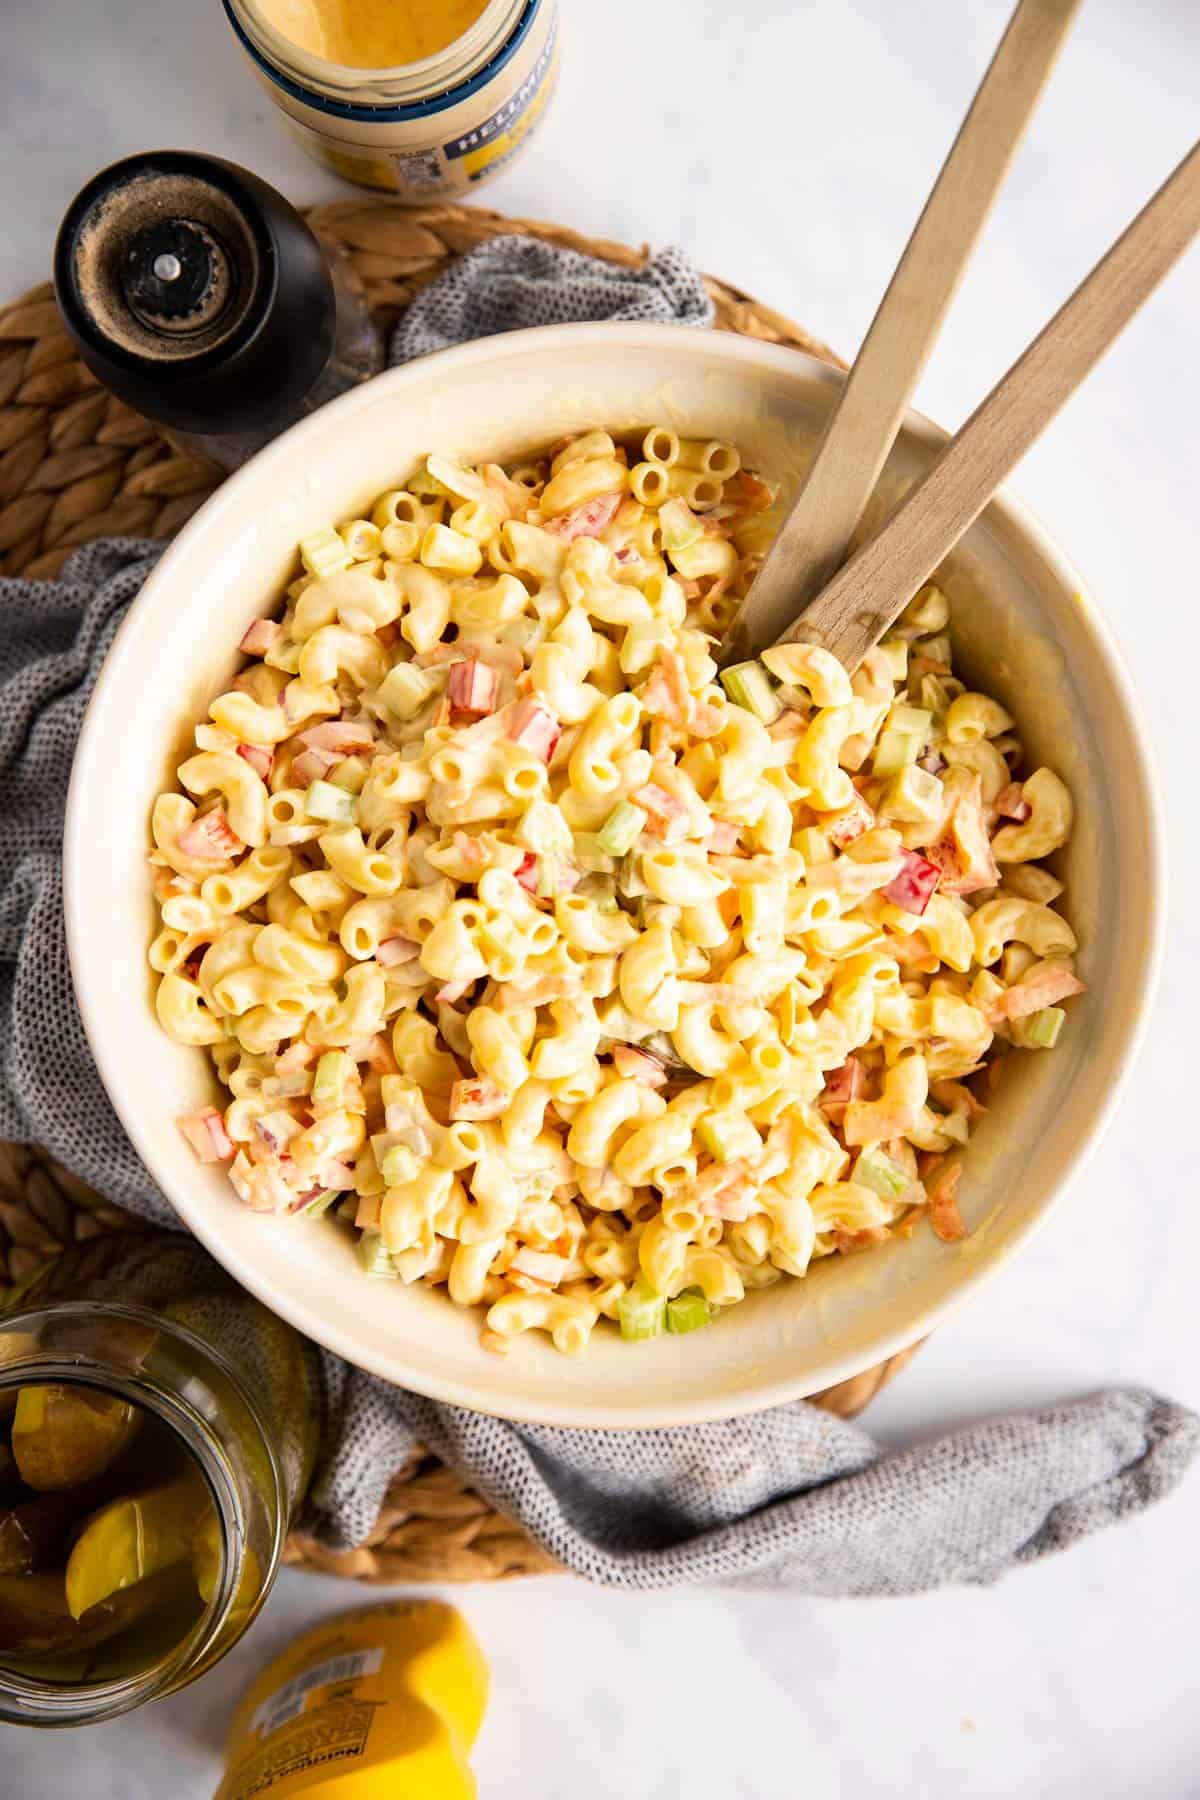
{"x": 576, "y": 979}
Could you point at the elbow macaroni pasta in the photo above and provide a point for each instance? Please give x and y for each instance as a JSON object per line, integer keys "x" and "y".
{"x": 571, "y": 982}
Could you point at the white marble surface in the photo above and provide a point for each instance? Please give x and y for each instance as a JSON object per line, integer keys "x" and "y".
{"x": 792, "y": 158}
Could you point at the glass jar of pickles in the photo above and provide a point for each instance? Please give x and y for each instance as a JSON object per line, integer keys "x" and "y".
{"x": 157, "y": 1434}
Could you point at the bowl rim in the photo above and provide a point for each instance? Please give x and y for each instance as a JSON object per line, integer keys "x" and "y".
{"x": 257, "y": 1277}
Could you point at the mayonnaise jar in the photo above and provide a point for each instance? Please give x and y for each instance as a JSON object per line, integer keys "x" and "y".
{"x": 425, "y": 129}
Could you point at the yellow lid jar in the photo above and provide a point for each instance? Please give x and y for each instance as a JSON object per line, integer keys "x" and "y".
{"x": 424, "y": 129}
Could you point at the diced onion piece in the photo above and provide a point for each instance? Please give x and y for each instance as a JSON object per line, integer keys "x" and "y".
{"x": 688, "y": 1311}
{"x": 729, "y": 1135}
{"x": 588, "y": 520}
{"x": 394, "y": 950}
{"x": 261, "y": 636}
{"x": 205, "y": 1132}
{"x": 841, "y": 1087}
{"x": 338, "y": 737}
{"x": 912, "y": 889}
{"x": 325, "y": 801}
{"x": 635, "y": 1065}
{"x": 535, "y": 729}
{"x": 641, "y": 1313}
{"x": 540, "y": 1265}
{"x": 723, "y": 838}
{"x": 473, "y": 687}
{"x": 749, "y": 685}
{"x": 1012, "y": 804}
{"x": 622, "y": 829}
{"x": 450, "y": 991}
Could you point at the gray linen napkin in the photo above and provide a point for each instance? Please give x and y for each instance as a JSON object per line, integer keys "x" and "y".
{"x": 788, "y": 1497}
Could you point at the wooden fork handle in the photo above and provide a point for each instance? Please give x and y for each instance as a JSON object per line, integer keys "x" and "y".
{"x": 870, "y": 408}
{"x": 855, "y": 610}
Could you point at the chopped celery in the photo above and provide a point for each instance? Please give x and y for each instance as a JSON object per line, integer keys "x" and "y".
{"x": 878, "y": 1172}
{"x": 728, "y": 1134}
{"x": 896, "y": 652}
{"x": 329, "y": 1078}
{"x": 641, "y": 1313}
{"x": 323, "y": 1202}
{"x": 323, "y": 553}
{"x": 1039, "y": 1030}
{"x": 814, "y": 846}
{"x": 679, "y": 524}
{"x": 542, "y": 828}
{"x": 324, "y": 801}
{"x": 629, "y": 878}
{"x": 749, "y": 685}
{"x": 350, "y": 774}
{"x": 548, "y": 870}
{"x": 589, "y": 854}
{"x": 376, "y": 1258}
{"x": 914, "y": 796}
{"x": 405, "y": 689}
{"x": 933, "y": 694}
{"x": 904, "y": 736}
{"x": 688, "y": 1311}
{"x": 622, "y": 828}
{"x": 500, "y": 935}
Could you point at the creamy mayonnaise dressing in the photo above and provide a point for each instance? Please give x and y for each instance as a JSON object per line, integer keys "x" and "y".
{"x": 372, "y": 34}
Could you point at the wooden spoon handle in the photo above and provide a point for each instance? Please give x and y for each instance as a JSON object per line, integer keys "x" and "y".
{"x": 868, "y": 593}
{"x": 863, "y": 425}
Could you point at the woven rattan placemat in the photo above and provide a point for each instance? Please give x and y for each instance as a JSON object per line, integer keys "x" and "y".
{"x": 75, "y": 464}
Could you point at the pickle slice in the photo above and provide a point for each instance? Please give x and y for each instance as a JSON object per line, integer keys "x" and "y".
{"x": 32, "y": 1531}
{"x": 64, "y": 1436}
{"x": 9, "y": 1478}
{"x": 206, "y": 1562}
{"x": 35, "y": 1620}
{"x": 133, "y": 1538}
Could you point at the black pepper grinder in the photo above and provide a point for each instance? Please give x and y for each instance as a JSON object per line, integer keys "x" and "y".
{"x": 196, "y": 294}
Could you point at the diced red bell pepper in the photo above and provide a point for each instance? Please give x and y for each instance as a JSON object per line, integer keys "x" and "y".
{"x": 535, "y": 729}
{"x": 912, "y": 889}
{"x": 210, "y": 838}
{"x": 472, "y": 687}
{"x": 205, "y": 1132}
{"x": 260, "y": 758}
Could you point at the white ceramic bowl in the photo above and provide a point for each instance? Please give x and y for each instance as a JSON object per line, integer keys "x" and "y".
{"x": 1024, "y": 629}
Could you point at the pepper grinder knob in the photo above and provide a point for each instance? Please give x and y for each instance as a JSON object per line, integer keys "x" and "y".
{"x": 199, "y": 296}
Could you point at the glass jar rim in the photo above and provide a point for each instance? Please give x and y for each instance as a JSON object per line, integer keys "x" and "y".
{"x": 344, "y": 84}
{"x": 26, "y": 1700}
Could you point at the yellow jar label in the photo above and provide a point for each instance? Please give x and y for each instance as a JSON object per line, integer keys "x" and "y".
{"x": 487, "y": 146}
{"x": 422, "y": 159}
